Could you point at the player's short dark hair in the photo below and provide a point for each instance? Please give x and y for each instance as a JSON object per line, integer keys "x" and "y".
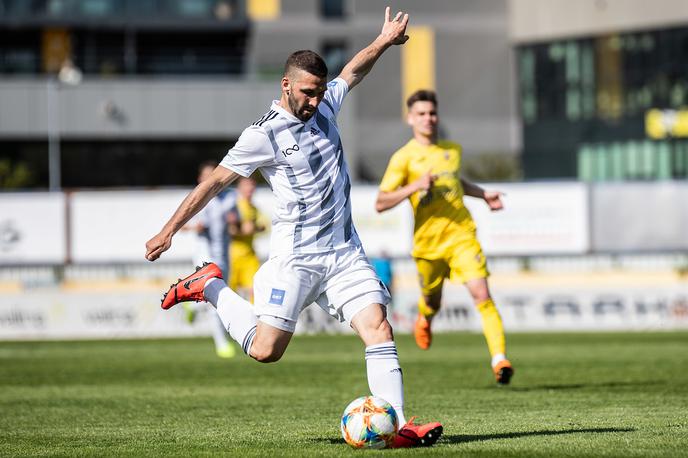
{"x": 422, "y": 95}
{"x": 307, "y": 61}
{"x": 208, "y": 163}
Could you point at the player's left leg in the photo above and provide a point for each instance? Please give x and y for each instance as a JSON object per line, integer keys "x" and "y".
{"x": 354, "y": 294}
{"x": 385, "y": 378}
{"x": 382, "y": 363}
{"x": 470, "y": 267}
{"x": 493, "y": 328}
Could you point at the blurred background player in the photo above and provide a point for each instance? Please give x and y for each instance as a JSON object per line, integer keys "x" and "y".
{"x": 316, "y": 254}
{"x": 426, "y": 171}
{"x": 212, "y": 227}
{"x": 245, "y": 262}
{"x": 382, "y": 263}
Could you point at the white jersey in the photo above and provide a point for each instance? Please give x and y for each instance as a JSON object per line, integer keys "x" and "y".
{"x": 303, "y": 162}
{"x": 213, "y": 243}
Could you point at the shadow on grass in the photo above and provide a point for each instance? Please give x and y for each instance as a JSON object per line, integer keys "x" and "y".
{"x": 463, "y": 438}
{"x": 578, "y": 386}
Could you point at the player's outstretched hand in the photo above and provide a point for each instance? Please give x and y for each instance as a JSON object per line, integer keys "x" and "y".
{"x": 157, "y": 246}
{"x": 494, "y": 200}
{"x": 394, "y": 30}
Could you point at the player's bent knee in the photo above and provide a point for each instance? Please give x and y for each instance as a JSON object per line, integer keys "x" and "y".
{"x": 270, "y": 343}
{"x": 267, "y": 355}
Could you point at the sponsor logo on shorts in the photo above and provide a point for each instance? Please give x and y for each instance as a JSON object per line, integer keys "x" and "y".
{"x": 276, "y": 296}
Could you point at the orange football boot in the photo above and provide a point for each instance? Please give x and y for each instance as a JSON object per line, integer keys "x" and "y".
{"x": 411, "y": 435}
{"x": 422, "y": 332}
{"x": 191, "y": 287}
{"x": 503, "y": 372}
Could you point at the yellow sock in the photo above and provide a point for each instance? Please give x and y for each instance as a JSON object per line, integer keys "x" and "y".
{"x": 492, "y": 327}
{"x": 425, "y": 310}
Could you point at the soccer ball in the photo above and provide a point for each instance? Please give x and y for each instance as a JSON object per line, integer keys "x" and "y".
{"x": 369, "y": 422}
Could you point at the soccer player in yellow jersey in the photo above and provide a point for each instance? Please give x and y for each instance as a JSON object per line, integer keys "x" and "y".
{"x": 245, "y": 262}
{"x": 426, "y": 171}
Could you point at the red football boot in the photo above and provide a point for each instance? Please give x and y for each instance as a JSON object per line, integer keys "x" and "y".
{"x": 411, "y": 435}
{"x": 191, "y": 287}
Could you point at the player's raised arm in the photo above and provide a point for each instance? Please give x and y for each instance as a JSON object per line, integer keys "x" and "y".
{"x": 393, "y": 33}
{"x": 192, "y": 204}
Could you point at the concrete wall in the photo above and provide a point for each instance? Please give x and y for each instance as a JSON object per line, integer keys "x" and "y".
{"x": 144, "y": 108}
{"x": 538, "y": 20}
{"x": 474, "y": 70}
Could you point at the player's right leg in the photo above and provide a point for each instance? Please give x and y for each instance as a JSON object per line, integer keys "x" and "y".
{"x": 261, "y": 341}
{"x": 431, "y": 274}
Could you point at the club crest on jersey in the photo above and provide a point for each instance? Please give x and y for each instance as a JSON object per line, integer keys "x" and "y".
{"x": 276, "y": 296}
{"x": 314, "y": 131}
{"x": 290, "y": 151}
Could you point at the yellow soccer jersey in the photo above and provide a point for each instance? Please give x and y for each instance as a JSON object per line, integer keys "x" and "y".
{"x": 441, "y": 219}
{"x": 242, "y": 245}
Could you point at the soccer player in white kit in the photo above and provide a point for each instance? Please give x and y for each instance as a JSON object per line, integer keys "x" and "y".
{"x": 315, "y": 253}
{"x": 211, "y": 227}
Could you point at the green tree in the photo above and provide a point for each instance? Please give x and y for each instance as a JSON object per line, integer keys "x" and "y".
{"x": 15, "y": 175}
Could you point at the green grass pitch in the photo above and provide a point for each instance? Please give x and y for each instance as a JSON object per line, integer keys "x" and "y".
{"x": 612, "y": 394}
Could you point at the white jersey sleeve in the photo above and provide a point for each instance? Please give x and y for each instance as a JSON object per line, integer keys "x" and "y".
{"x": 251, "y": 151}
{"x": 334, "y": 96}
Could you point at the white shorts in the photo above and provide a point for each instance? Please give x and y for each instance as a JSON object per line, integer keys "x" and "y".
{"x": 341, "y": 282}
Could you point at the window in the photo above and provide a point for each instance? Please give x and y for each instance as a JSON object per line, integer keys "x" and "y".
{"x": 335, "y": 56}
{"x": 20, "y": 52}
{"x": 332, "y": 9}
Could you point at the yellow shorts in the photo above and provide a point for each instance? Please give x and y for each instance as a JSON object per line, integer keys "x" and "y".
{"x": 466, "y": 262}
{"x": 242, "y": 271}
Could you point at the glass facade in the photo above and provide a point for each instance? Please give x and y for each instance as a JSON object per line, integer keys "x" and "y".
{"x": 137, "y": 10}
{"x": 332, "y": 9}
{"x": 335, "y": 54}
{"x": 111, "y": 163}
{"x": 585, "y": 104}
{"x": 109, "y": 37}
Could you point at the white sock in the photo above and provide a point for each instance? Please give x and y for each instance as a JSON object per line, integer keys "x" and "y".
{"x": 219, "y": 332}
{"x": 498, "y": 358}
{"x": 385, "y": 379}
{"x": 234, "y": 311}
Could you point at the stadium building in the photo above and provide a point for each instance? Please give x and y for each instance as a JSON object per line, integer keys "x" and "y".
{"x": 603, "y": 88}
{"x": 167, "y": 83}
